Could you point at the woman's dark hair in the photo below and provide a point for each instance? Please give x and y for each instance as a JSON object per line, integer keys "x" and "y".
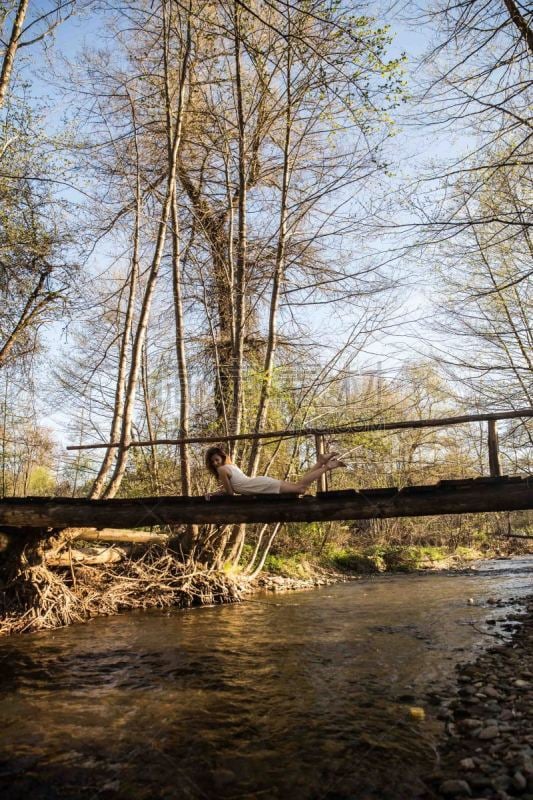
{"x": 215, "y": 451}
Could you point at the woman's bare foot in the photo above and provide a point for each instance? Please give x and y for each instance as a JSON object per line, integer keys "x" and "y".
{"x": 333, "y": 463}
{"x": 323, "y": 458}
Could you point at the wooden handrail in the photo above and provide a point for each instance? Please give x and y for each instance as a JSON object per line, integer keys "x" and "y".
{"x": 366, "y": 427}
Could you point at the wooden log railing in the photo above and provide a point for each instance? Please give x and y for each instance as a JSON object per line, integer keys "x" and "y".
{"x": 366, "y": 427}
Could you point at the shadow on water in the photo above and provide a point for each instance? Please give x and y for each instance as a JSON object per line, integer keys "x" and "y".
{"x": 305, "y": 695}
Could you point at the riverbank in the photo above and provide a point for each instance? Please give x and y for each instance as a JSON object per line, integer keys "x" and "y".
{"x": 38, "y": 596}
{"x": 488, "y": 719}
{"x": 303, "y": 571}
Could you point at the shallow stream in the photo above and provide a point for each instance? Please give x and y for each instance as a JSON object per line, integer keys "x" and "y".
{"x": 299, "y": 695}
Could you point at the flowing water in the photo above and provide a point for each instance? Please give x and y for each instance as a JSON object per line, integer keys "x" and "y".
{"x": 301, "y": 695}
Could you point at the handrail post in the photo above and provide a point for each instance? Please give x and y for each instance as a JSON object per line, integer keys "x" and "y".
{"x": 321, "y": 484}
{"x": 494, "y": 459}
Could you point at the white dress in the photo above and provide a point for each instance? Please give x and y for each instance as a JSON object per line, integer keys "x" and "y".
{"x": 242, "y": 484}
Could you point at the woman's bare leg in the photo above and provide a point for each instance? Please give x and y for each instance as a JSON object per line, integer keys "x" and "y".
{"x": 308, "y": 477}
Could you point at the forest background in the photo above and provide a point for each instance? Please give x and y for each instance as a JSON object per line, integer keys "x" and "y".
{"x": 226, "y": 217}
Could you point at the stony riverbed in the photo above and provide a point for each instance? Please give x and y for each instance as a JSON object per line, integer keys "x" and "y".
{"x": 488, "y": 750}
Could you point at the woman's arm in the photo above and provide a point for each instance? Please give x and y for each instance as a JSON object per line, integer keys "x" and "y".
{"x": 226, "y": 483}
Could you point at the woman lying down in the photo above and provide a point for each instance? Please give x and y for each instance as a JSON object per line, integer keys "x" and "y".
{"x": 234, "y": 481}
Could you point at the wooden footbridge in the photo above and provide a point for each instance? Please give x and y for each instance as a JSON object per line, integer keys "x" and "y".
{"x": 445, "y": 497}
{"x": 495, "y": 492}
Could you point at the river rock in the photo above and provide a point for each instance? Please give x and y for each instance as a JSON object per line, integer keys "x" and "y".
{"x": 491, "y": 732}
{"x": 451, "y": 729}
{"x": 470, "y": 723}
{"x": 527, "y": 765}
{"x": 521, "y": 684}
{"x": 479, "y": 781}
{"x": 518, "y": 781}
{"x": 445, "y": 714}
{"x": 451, "y": 788}
{"x": 110, "y": 787}
{"x": 223, "y": 777}
{"x": 468, "y": 763}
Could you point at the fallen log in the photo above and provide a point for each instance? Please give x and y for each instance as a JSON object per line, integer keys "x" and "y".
{"x": 119, "y": 535}
{"x": 494, "y": 494}
{"x": 91, "y": 556}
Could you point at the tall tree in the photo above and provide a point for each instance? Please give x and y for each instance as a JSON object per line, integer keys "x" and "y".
{"x": 283, "y": 112}
{"x": 23, "y": 26}
{"x": 35, "y": 273}
{"x": 479, "y": 85}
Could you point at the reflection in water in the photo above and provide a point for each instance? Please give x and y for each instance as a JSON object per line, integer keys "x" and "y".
{"x": 303, "y": 695}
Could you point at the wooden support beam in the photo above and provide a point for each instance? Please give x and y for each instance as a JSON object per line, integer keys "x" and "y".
{"x": 321, "y": 483}
{"x": 460, "y": 497}
{"x": 494, "y": 458}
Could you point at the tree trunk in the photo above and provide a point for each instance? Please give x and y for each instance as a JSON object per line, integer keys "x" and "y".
{"x": 266, "y": 385}
{"x": 240, "y": 271}
{"x": 181, "y": 357}
{"x": 118, "y": 408}
{"x": 31, "y": 309}
{"x": 125, "y": 438}
{"x": 11, "y": 50}
{"x": 526, "y": 32}
{"x": 153, "y": 466}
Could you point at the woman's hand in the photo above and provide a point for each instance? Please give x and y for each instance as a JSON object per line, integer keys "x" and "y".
{"x": 221, "y": 491}
{"x": 209, "y": 495}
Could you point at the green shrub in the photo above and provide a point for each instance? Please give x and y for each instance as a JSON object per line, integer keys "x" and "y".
{"x": 296, "y": 566}
{"x": 355, "y": 561}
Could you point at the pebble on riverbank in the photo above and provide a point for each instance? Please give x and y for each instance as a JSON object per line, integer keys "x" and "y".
{"x": 488, "y": 752}
{"x": 281, "y": 583}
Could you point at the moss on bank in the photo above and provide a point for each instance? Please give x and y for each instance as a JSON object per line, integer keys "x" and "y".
{"x": 374, "y": 559}
{"x": 403, "y": 559}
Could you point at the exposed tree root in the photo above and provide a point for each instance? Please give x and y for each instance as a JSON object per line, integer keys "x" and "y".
{"x": 37, "y": 597}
